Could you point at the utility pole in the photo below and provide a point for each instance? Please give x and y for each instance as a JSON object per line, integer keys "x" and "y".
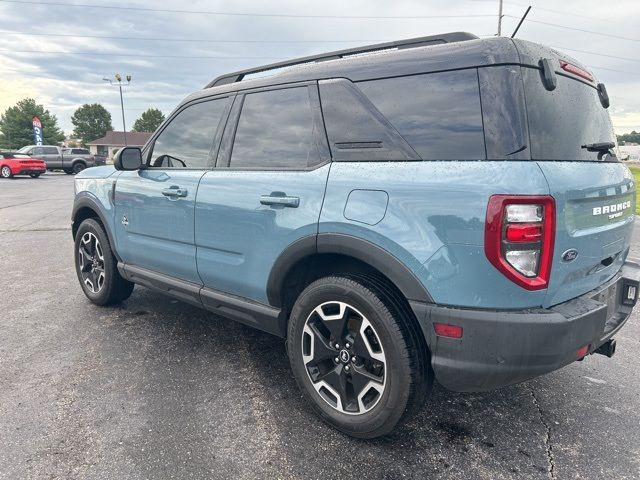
{"x": 499, "y": 17}
{"x": 119, "y": 83}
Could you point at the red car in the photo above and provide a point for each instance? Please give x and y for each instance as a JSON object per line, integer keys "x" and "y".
{"x": 12, "y": 163}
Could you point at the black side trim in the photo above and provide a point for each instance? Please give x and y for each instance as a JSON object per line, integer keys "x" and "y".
{"x": 363, "y": 250}
{"x": 257, "y": 315}
{"x": 304, "y": 247}
{"x": 378, "y": 258}
{"x": 88, "y": 202}
{"x": 180, "y": 289}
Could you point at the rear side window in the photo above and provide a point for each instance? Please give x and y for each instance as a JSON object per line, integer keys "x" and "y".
{"x": 276, "y": 130}
{"x": 187, "y": 140}
{"x": 564, "y": 119}
{"x": 438, "y": 114}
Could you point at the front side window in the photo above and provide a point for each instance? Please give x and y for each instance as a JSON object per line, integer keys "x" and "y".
{"x": 187, "y": 140}
{"x": 276, "y": 130}
{"x": 50, "y": 150}
{"x": 36, "y": 151}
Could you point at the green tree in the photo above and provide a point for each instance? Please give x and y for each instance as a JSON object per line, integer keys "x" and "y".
{"x": 16, "y": 125}
{"x": 91, "y": 121}
{"x": 149, "y": 121}
{"x": 633, "y": 137}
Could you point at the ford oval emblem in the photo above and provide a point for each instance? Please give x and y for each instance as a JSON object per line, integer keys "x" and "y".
{"x": 570, "y": 255}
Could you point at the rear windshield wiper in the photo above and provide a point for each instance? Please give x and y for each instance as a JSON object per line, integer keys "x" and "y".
{"x": 603, "y": 148}
{"x": 599, "y": 147}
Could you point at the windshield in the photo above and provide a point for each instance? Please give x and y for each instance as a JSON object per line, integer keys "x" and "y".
{"x": 564, "y": 120}
{"x": 24, "y": 149}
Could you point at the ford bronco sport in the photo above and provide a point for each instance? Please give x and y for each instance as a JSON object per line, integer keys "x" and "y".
{"x": 447, "y": 208}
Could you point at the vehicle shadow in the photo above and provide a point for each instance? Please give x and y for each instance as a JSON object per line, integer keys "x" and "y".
{"x": 235, "y": 382}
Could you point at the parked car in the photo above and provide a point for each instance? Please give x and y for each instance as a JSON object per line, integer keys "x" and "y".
{"x": 445, "y": 208}
{"x": 58, "y": 159}
{"x": 13, "y": 163}
{"x": 100, "y": 159}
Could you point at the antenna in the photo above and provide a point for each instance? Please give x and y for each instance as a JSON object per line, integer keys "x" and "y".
{"x": 520, "y": 22}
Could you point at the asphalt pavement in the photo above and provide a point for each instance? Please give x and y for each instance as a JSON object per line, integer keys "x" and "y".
{"x": 154, "y": 388}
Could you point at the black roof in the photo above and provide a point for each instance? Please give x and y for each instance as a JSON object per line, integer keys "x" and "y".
{"x": 449, "y": 51}
{"x": 323, "y": 57}
{"x": 377, "y": 62}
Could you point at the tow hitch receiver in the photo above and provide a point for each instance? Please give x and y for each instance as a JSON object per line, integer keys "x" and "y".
{"x": 608, "y": 348}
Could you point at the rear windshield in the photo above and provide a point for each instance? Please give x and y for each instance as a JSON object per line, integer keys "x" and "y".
{"x": 564, "y": 119}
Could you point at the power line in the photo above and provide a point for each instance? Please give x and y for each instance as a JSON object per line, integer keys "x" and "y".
{"x": 165, "y": 39}
{"x": 239, "y": 14}
{"x": 599, "y": 54}
{"x": 563, "y": 12}
{"x": 142, "y": 55}
{"x": 574, "y": 29}
{"x": 612, "y": 70}
{"x": 116, "y": 54}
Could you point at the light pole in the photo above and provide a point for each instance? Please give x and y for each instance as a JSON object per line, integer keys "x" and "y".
{"x": 119, "y": 83}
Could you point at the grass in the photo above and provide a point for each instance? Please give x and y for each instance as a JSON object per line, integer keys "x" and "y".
{"x": 636, "y": 174}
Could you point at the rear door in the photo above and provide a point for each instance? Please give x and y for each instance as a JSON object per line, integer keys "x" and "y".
{"x": 53, "y": 157}
{"x": 266, "y": 191}
{"x": 155, "y": 206}
{"x": 594, "y": 193}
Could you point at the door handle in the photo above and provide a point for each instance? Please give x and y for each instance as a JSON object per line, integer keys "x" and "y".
{"x": 174, "y": 192}
{"x": 281, "y": 200}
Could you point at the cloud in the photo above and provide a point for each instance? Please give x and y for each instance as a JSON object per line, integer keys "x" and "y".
{"x": 64, "y": 81}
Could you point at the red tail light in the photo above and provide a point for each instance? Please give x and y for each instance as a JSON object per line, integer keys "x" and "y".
{"x": 577, "y": 71}
{"x": 519, "y": 238}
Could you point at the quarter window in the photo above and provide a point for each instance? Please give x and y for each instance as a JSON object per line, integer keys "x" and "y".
{"x": 438, "y": 114}
{"x": 276, "y": 130}
{"x": 187, "y": 141}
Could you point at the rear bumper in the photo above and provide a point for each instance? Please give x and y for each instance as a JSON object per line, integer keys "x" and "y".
{"x": 28, "y": 171}
{"x": 500, "y": 348}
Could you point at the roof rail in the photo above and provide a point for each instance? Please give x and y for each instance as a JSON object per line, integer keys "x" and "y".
{"x": 400, "y": 44}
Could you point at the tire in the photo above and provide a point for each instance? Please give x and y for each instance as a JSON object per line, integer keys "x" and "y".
{"x": 379, "y": 347}
{"x": 99, "y": 277}
{"x": 5, "y": 172}
{"x": 78, "y": 167}
{"x": 34, "y": 175}
{"x": 68, "y": 171}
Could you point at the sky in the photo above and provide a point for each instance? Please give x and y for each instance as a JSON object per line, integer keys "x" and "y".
{"x": 172, "y": 53}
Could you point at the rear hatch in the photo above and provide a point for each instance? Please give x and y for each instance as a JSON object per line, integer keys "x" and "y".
{"x": 573, "y": 142}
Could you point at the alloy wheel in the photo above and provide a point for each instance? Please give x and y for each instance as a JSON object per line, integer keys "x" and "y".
{"x": 91, "y": 262}
{"x": 6, "y": 172}
{"x": 344, "y": 358}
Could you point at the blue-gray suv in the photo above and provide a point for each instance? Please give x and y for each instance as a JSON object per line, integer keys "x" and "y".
{"x": 447, "y": 208}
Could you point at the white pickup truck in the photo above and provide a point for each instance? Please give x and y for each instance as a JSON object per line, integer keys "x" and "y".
{"x": 71, "y": 160}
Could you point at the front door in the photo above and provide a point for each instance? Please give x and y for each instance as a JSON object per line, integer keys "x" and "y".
{"x": 155, "y": 206}
{"x": 266, "y": 191}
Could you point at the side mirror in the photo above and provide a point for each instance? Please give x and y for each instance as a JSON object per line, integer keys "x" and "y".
{"x": 128, "y": 158}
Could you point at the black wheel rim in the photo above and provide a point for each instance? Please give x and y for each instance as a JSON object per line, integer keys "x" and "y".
{"x": 91, "y": 262}
{"x": 344, "y": 358}
{"x": 78, "y": 167}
